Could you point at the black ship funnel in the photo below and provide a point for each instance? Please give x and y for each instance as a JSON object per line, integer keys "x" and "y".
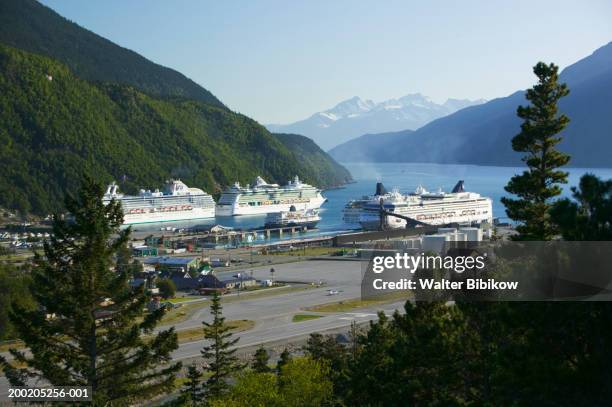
{"x": 380, "y": 189}
{"x": 458, "y": 187}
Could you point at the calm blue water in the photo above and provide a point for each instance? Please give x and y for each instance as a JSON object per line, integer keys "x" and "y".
{"x": 488, "y": 181}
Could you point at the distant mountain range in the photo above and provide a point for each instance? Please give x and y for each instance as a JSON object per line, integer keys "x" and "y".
{"x": 74, "y": 103}
{"x": 353, "y": 117}
{"x": 482, "y": 134}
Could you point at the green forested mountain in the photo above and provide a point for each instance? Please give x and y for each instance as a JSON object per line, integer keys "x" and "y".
{"x": 31, "y": 26}
{"x": 311, "y": 156}
{"x": 55, "y": 127}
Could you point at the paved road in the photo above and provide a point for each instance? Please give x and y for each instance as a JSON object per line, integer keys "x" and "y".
{"x": 343, "y": 276}
{"x": 273, "y": 313}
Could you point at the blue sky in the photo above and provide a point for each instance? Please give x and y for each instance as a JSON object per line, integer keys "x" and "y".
{"x": 280, "y": 61}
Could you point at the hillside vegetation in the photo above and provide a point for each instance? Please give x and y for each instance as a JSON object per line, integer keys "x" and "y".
{"x": 31, "y": 26}
{"x": 311, "y": 156}
{"x": 55, "y": 127}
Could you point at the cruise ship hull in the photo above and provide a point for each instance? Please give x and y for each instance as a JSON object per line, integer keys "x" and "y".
{"x": 178, "y": 202}
{"x": 351, "y": 216}
{"x": 478, "y": 212}
{"x": 309, "y": 225}
{"x": 170, "y": 216}
{"x": 240, "y": 210}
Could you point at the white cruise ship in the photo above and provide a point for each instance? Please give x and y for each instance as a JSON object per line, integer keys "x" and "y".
{"x": 263, "y": 198}
{"x": 176, "y": 203}
{"x": 437, "y": 208}
{"x": 304, "y": 218}
{"x": 351, "y": 213}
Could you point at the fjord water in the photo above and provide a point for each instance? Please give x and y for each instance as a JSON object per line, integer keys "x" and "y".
{"x": 485, "y": 180}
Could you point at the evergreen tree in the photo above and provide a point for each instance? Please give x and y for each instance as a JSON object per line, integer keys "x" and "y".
{"x": 167, "y": 288}
{"x": 253, "y": 389}
{"x": 192, "y": 391}
{"x": 222, "y": 361}
{"x": 354, "y": 340}
{"x": 538, "y": 138}
{"x": 88, "y": 327}
{"x": 305, "y": 382}
{"x": 14, "y": 288}
{"x": 260, "y": 361}
{"x": 284, "y": 358}
{"x": 589, "y": 216}
{"x": 326, "y": 348}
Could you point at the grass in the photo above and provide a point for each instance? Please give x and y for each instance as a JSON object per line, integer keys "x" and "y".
{"x": 259, "y": 288}
{"x": 304, "y": 317}
{"x": 180, "y": 314}
{"x": 265, "y": 293}
{"x": 355, "y": 303}
{"x": 178, "y": 300}
{"x": 195, "y": 334}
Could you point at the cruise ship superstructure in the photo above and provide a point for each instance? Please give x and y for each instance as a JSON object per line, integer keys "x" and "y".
{"x": 263, "y": 198}
{"x": 351, "y": 213}
{"x": 304, "y": 218}
{"x": 177, "y": 202}
{"x": 432, "y": 208}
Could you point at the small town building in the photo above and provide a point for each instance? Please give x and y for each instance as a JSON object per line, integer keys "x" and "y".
{"x": 228, "y": 280}
{"x": 144, "y": 251}
{"x": 185, "y": 282}
{"x": 173, "y": 264}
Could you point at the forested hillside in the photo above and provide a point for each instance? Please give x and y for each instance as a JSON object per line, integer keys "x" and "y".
{"x": 314, "y": 158}
{"x": 55, "y": 127}
{"x": 31, "y": 26}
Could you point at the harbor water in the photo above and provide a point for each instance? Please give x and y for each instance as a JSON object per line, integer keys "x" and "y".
{"x": 486, "y": 180}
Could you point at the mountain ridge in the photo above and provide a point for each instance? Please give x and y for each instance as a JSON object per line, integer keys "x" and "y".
{"x": 482, "y": 134}
{"x": 34, "y": 27}
{"x": 355, "y": 116}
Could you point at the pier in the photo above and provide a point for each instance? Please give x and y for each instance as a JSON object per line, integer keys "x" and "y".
{"x": 192, "y": 238}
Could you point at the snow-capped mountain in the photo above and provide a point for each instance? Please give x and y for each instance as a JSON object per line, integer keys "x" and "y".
{"x": 354, "y": 117}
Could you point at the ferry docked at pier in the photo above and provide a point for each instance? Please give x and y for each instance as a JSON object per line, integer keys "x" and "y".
{"x": 305, "y": 218}
{"x": 264, "y": 198}
{"x": 431, "y": 208}
{"x": 351, "y": 213}
{"x": 177, "y": 202}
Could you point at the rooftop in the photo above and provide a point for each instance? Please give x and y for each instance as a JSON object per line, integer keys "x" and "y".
{"x": 169, "y": 260}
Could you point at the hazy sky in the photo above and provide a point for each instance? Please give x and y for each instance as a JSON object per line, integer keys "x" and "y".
{"x": 280, "y": 61}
